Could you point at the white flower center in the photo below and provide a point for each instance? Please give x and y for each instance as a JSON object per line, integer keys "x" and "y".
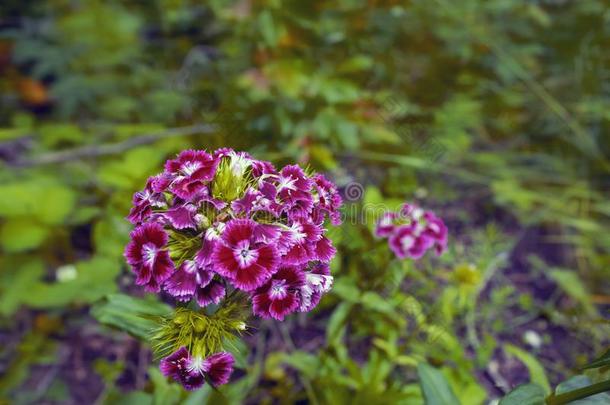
{"x": 149, "y": 253}
{"x": 245, "y": 256}
{"x": 407, "y": 242}
{"x": 189, "y": 168}
{"x": 196, "y": 364}
{"x": 278, "y": 289}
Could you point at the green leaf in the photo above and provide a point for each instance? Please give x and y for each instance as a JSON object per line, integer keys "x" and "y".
{"x": 603, "y": 361}
{"x": 336, "y": 323}
{"x": 578, "y": 382}
{"x": 21, "y": 234}
{"x": 527, "y": 394}
{"x": 434, "y": 386}
{"x": 41, "y": 199}
{"x": 537, "y": 374}
{"x": 570, "y": 282}
{"x": 132, "y": 315}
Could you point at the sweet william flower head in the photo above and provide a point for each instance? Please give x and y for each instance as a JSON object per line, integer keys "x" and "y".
{"x": 229, "y": 232}
{"x": 412, "y": 232}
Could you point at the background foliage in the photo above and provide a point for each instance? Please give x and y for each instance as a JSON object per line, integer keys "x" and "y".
{"x": 494, "y": 113}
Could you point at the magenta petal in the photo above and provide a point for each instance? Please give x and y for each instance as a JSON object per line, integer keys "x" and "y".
{"x": 325, "y": 250}
{"x": 182, "y": 217}
{"x": 219, "y": 367}
{"x": 183, "y": 283}
{"x": 280, "y": 308}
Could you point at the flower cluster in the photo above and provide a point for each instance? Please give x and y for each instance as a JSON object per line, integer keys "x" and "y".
{"x": 412, "y": 231}
{"x": 217, "y": 223}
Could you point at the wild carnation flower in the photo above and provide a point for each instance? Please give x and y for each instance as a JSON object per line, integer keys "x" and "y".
{"x": 193, "y": 372}
{"x": 412, "y": 231}
{"x": 148, "y": 256}
{"x": 241, "y": 259}
{"x": 229, "y": 230}
{"x": 280, "y": 296}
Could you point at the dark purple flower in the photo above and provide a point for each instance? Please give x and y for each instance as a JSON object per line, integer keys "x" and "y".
{"x": 212, "y": 293}
{"x": 218, "y": 368}
{"x": 241, "y": 259}
{"x": 192, "y": 372}
{"x": 191, "y": 171}
{"x": 148, "y": 257}
{"x": 317, "y": 282}
{"x": 176, "y": 365}
{"x": 280, "y": 295}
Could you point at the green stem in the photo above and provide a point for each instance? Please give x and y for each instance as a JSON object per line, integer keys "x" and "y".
{"x": 579, "y": 393}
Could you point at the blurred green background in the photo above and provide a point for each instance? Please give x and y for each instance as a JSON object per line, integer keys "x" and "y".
{"x": 493, "y": 113}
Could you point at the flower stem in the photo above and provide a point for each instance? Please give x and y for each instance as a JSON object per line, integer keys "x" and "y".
{"x": 579, "y": 393}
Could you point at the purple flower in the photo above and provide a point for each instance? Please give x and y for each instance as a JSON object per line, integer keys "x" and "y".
{"x": 318, "y": 281}
{"x": 241, "y": 259}
{"x": 192, "y": 281}
{"x": 327, "y": 200}
{"x": 145, "y": 200}
{"x": 147, "y": 256}
{"x": 294, "y": 189}
{"x": 412, "y": 231}
{"x": 219, "y": 368}
{"x": 181, "y": 216}
{"x": 280, "y": 295}
{"x": 437, "y": 231}
{"x": 192, "y": 372}
{"x": 386, "y": 225}
{"x": 406, "y": 243}
{"x": 191, "y": 171}
{"x": 299, "y": 242}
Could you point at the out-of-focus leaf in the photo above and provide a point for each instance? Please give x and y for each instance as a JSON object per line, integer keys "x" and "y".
{"x": 43, "y": 199}
{"x": 336, "y": 323}
{"x": 536, "y": 370}
{"x": 603, "y": 361}
{"x": 570, "y": 282}
{"x": 434, "y": 386}
{"x": 527, "y": 394}
{"x": 20, "y": 234}
{"x": 582, "y": 381}
{"x": 130, "y": 314}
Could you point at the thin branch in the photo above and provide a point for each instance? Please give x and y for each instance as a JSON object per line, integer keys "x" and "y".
{"x": 113, "y": 148}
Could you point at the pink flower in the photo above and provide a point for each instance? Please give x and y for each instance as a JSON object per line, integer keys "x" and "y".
{"x": 298, "y": 243}
{"x": 147, "y": 256}
{"x": 241, "y": 259}
{"x": 386, "y": 225}
{"x": 412, "y": 231}
{"x": 191, "y": 171}
{"x": 279, "y": 296}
